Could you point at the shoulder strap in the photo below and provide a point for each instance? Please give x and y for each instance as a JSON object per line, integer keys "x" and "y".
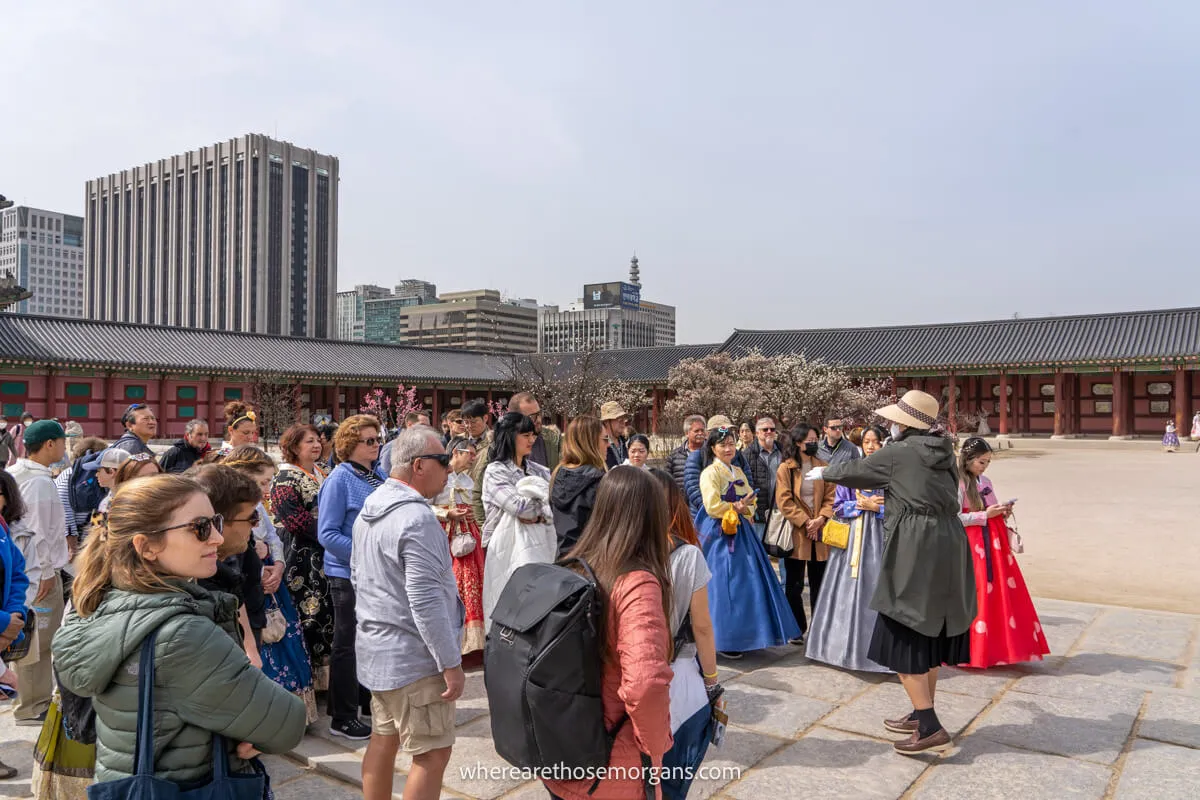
{"x": 143, "y": 754}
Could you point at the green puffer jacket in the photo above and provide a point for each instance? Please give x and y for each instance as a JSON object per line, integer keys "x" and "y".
{"x": 203, "y": 682}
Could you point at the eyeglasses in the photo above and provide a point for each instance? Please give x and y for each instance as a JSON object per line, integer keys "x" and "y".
{"x": 374, "y": 440}
{"x": 766, "y": 430}
{"x": 253, "y": 519}
{"x": 834, "y": 427}
{"x": 202, "y": 527}
{"x": 441, "y": 458}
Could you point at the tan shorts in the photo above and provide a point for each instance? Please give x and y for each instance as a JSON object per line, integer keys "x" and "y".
{"x": 417, "y": 714}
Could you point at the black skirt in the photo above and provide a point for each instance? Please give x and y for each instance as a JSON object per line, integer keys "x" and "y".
{"x": 903, "y": 650}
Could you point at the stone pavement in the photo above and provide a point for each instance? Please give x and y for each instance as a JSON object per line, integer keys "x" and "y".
{"x": 1114, "y": 712}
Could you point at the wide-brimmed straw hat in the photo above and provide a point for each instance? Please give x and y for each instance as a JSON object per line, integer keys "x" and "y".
{"x": 916, "y": 410}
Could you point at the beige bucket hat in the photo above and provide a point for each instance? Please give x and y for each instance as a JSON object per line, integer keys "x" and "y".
{"x": 612, "y": 410}
{"x": 916, "y": 410}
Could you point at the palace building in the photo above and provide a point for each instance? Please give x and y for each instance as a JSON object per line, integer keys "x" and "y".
{"x": 1100, "y": 375}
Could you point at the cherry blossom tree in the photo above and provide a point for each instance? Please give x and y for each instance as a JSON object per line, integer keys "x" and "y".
{"x": 390, "y": 407}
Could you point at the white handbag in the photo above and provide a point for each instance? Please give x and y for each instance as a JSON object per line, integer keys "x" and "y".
{"x": 777, "y": 536}
{"x": 462, "y": 544}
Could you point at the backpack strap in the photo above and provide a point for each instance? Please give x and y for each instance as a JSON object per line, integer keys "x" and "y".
{"x": 684, "y": 634}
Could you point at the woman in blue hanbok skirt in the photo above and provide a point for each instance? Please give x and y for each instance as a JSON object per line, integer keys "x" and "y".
{"x": 748, "y": 607}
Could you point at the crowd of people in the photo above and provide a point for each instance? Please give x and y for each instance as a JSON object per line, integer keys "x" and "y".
{"x": 362, "y": 573}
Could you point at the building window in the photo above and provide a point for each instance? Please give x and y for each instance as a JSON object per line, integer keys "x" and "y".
{"x": 79, "y": 390}
{"x": 14, "y": 409}
{"x": 233, "y": 394}
{"x": 1047, "y": 406}
{"x": 77, "y": 410}
{"x": 135, "y": 392}
{"x": 14, "y": 387}
{"x": 1103, "y": 406}
{"x": 1160, "y": 406}
{"x": 187, "y": 412}
{"x": 1102, "y": 390}
{"x": 185, "y": 393}
{"x": 1047, "y": 390}
{"x": 1158, "y": 389}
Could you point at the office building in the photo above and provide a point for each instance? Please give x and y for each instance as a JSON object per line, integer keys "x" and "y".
{"x": 424, "y": 291}
{"x": 352, "y": 311}
{"x": 477, "y": 320}
{"x": 239, "y": 236}
{"x": 610, "y": 316}
{"x": 43, "y": 252}
{"x": 385, "y": 318}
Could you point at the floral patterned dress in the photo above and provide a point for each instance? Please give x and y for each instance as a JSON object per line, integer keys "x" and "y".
{"x": 468, "y": 569}
{"x": 294, "y": 507}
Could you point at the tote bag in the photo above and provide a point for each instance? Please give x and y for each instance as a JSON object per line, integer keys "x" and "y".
{"x": 142, "y": 785}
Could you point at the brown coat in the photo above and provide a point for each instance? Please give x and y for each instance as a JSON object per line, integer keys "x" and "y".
{"x": 787, "y": 499}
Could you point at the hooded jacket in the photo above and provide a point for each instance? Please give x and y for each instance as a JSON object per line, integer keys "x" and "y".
{"x": 204, "y": 683}
{"x": 572, "y": 498}
{"x": 928, "y": 580}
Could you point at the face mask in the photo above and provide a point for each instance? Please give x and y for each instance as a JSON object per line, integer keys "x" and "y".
{"x": 895, "y": 430}
{"x": 810, "y": 448}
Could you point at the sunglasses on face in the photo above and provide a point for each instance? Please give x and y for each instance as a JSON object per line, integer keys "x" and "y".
{"x": 202, "y": 528}
{"x": 253, "y": 519}
{"x": 374, "y": 440}
{"x": 766, "y": 430}
{"x": 834, "y": 427}
{"x": 441, "y": 458}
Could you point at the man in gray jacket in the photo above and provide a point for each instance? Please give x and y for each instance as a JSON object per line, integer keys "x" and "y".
{"x": 410, "y": 621}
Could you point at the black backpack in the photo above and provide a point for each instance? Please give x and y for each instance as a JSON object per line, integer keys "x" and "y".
{"x": 542, "y": 670}
{"x": 85, "y": 491}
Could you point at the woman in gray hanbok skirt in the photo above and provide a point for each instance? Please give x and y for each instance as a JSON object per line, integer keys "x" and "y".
{"x": 843, "y": 620}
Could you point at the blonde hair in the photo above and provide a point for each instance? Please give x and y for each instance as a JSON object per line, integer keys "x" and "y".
{"x": 581, "y": 444}
{"x": 142, "y": 506}
{"x": 129, "y": 470}
{"x": 248, "y": 459}
{"x": 349, "y": 434}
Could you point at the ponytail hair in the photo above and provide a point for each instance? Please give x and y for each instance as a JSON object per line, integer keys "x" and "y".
{"x": 109, "y": 560}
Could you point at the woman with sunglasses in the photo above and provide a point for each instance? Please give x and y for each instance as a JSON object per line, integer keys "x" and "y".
{"x": 748, "y": 606}
{"x": 453, "y": 510}
{"x": 139, "y": 574}
{"x": 339, "y": 502}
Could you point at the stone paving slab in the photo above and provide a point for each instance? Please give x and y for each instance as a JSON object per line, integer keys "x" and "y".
{"x": 1172, "y": 717}
{"x": 772, "y": 711}
{"x": 1085, "y": 729}
{"x": 831, "y": 765}
{"x": 813, "y": 680}
{"x": 1141, "y": 634}
{"x": 982, "y": 769}
{"x": 1157, "y": 771}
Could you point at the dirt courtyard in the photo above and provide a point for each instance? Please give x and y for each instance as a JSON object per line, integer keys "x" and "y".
{"x": 1106, "y": 522}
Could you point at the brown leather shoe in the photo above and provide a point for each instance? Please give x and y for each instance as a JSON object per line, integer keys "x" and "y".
{"x": 935, "y": 742}
{"x": 903, "y": 725}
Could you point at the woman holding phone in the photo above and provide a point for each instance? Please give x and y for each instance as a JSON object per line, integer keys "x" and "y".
{"x": 748, "y": 607}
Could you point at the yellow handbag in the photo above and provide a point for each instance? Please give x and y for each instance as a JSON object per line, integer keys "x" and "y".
{"x": 836, "y": 534}
{"x": 730, "y": 521}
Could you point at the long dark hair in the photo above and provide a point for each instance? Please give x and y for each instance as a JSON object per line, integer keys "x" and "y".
{"x": 504, "y": 437}
{"x": 715, "y": 437}
{"x": 798, "y": 435}
{"x": 681, "y": 518}
{"x": 628, "y": 531}
{"x": 972, "y": 449}
{"x": 14, "y": 505}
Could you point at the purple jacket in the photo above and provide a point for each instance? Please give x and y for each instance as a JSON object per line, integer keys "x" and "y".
{"x": 845, "y": 502}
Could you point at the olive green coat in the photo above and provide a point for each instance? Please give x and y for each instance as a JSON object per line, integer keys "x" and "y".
{"x": 203, "y": 682}
{"x": 927, "y": 582}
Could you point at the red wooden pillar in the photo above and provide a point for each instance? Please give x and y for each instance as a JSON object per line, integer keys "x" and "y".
{"x": 1002, "y": 404}
{"x": 952, "y": 403}
{"x": 336, "y": 407}
{"x": 1060, "y": 390}
{"x": 211, "y": 407}
{"x": 437, "y": 413}
{"x": 161, "y": 412}
{"x": 1120, "y": 402}
{"x": 52, "y": 393}
{"x": 110, "y": 406}
{"x": 1183, "y": 411}
{"x": 462, "y": 397}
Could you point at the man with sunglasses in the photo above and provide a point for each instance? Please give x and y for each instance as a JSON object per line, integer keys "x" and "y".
{"x": 834, "y": 448}
{"x": 410, "y": 620}
{"x": 140, "y": 427}
{"x": 764, "y": 457}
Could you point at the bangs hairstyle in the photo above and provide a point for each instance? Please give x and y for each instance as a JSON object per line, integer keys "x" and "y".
{"x": 638, "y": 438}
{"x": 880, "y": 433}
{"x": 798, "y": 436}
{"x": 628, "y": 531}
{"x": 248, "y": 459}
{"x": 972, "y": 449}
{"x": 109, "y": 559}
{"x": 293, "y": 438}
{"x": 350, "y": 434}
{"x": 681, "y": 525}
{"x": 581, "y": 444}
{"x": 715, "y": 437}
{"x": 226, "y": 487}
{"x": 504, "y": 437}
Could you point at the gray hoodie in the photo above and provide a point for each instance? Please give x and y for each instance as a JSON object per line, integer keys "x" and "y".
{"x": 410, "y": 617}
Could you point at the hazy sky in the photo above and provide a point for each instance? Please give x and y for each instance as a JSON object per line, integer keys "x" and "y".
{"x": 774, "y": 165}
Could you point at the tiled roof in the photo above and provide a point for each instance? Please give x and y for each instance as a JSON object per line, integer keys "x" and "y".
{"x": 1136, "y": 336}
{"x": 635, "y": 365}
{"x": 85, "y": 343}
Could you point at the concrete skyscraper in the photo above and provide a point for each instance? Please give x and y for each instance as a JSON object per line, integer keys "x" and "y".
{"x": 43, "y": 251}
{"x": 239, "y": 236}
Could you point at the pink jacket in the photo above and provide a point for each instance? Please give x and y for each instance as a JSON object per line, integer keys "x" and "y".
{"x": 638, "y": 684}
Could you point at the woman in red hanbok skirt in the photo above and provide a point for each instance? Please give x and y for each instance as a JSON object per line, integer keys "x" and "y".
{"x": 453, "y": 509}
{"x": 1006, "y": 629}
